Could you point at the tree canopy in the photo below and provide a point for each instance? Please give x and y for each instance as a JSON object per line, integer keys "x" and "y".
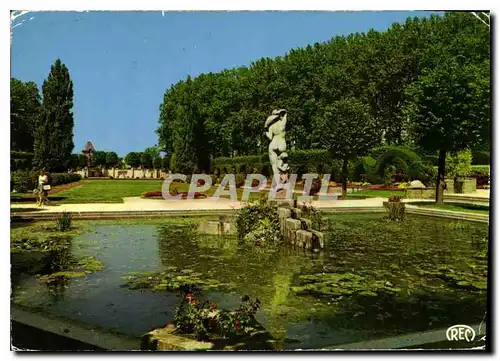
{"x": 222, "y": 114}
{"x": 53, "y": 135}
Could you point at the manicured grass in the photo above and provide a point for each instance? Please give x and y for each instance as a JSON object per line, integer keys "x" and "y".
{"x": 113, "y": 191}
{"x": 457, "y": 207}
{"x": 368, "y": 193}
{"x": 108, "y": 191}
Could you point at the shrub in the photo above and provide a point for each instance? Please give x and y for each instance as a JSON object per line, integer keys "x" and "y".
{"x": 396, "y": 210}
{"x": 204, "y": 320}
{"x": 363, "y": 167}
{"x": 481, "y": 157}
{"x": 24, "y": 181}
{"x": 481, "y": 173}
{"x": 240, "y": 180}
{"x": 399, "y": 157}
{"x": 258, "y": 223}
{"x": 21, "y": 160}
{"x": 459, "y": 165}
{"x": 63, "y": 221}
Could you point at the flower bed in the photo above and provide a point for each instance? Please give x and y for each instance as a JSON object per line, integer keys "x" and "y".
{"x": 159, "y": 195}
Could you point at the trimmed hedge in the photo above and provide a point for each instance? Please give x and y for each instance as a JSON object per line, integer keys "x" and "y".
{"x": 300, "y": 161}
{"x": 21, "y": 160}
{"x": 27, "y": 181}
{"x": 481, "y": 173}
{"x": 481, "y": 157}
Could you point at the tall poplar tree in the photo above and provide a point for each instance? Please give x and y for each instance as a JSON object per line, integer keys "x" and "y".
{"x": 54, "y": 131}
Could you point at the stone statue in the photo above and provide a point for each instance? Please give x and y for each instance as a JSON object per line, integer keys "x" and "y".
{"x": 276, "y": 124}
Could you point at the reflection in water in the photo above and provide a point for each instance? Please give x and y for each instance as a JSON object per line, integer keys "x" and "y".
{"x": 364, "y": 245}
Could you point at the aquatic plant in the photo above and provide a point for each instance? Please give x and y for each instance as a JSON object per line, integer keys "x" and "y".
{"x": 337, "y": 285}
{"x": 204, "y": 320}
{"x": 63, "y": 221}
{"x": 72, "y": 268}
{"x": 39, "y": 244}
{"x": 171, "y": 280}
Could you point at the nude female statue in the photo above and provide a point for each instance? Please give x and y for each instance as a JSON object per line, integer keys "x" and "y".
{"x": 276, "y": 124}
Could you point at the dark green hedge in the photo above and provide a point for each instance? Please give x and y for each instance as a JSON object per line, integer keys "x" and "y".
{"x": 27, "y": 181}
{"x": 21, "y": 160}
{"x": 300, "y": 161}
{"x": 481, "y": 158}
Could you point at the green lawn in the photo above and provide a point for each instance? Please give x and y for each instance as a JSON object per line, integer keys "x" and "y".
{"x": 457, "y": 207}
{"x": 108, "y": 191}
{"x": 113, "y": 191}
{"x": 375, "y": 193}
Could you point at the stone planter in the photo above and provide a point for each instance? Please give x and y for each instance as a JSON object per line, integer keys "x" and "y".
{"x": 167, "y": 339}
{"x": 466, "y": 185}
{"x": 420, "y": 193}
{"x": 450, "y": 185}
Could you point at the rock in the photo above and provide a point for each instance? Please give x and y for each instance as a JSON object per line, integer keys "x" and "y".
{"x": 306, "y": 223}
{"x": 304, "y": 238}
{"x": 292, "y": 224}
{"x": 318, "y": 240}
{"x": 416, "y": 184}
{"x": 215, "y": 227}
{"x": 284, "y": 212}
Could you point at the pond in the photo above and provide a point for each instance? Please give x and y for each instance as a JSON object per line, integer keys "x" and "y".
{"x": 416, "y": 275}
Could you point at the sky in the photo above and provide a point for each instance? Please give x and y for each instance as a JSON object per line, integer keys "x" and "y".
{"x": 121, "y": 63}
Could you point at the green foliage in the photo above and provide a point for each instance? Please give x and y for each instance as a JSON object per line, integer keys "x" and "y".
{"x": 133, "y": 159}
{"x": 205, "y": 321}
{"x": 222, "y": 114}
{"x": 346, "y": 129}
{"x": 82, "y": 161}
{"x": 258, "y": 223}
{"x": 240, "y": 180}
{"x": 111, "y": 159}
{"x": 21, "y": 160}
{"x": 27, "y": 181}
{"x": 480, "y": 170}
{"x": 63, "y": 221}
{"x": 401, "y": 157}
{"x": 363, "y": 168}
{"x": 24, "y": 113}
{"x": 146, "y": 160}
{"x": 173, "y": 279}
{"x": 53, "y": 141}
{"x": 63, "y": 178}
{"x": 459, "y": 164}
{"x": 157, "y": 162}
{"x": 24, "y": 181}
{"x": 480, "y": 157}
{"x": 98, "y": 159}
{"x": 335, "y": 286}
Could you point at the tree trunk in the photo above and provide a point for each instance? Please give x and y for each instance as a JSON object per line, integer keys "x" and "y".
{"x": 344, "y": 179}
{"x": 440, "y": 183}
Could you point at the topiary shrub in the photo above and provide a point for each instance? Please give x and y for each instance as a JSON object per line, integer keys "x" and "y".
{"x": 399, "y": 157}
{"x": 362, "y": 168}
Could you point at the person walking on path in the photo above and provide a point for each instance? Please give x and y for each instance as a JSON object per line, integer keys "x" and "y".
{"x": 43, "y": 188}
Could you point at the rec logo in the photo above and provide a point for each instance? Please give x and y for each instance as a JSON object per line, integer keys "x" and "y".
{"x": 460, "y": 333}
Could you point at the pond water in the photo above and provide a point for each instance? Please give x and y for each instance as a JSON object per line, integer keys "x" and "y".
{"x": 405, "y": 254}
